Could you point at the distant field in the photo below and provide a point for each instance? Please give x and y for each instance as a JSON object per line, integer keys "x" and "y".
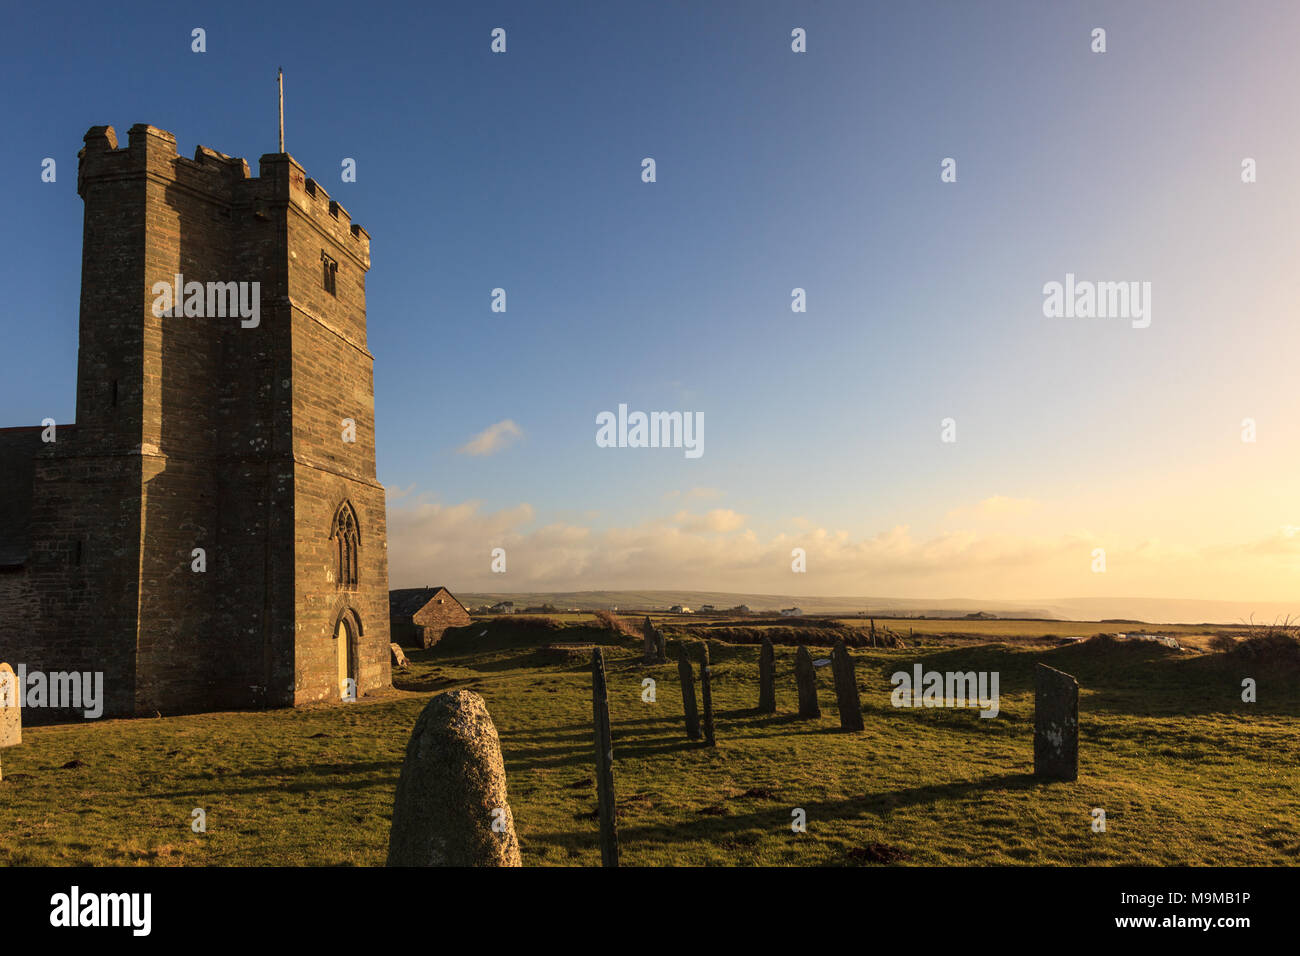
{"x": 1192, "y": 634}
{"x": 944, "y": 630}
{"x": 1186, "y": 772}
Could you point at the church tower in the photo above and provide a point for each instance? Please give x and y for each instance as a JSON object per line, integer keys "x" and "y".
{"x": 211, "y": 532}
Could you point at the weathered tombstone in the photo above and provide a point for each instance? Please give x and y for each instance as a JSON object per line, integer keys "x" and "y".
{"x": 846, "y": 688}
{"x": 767, "y": 678}
{"x": 604, "y": 760}
{"x": 451, "y": 807}
{"x": 1056, "y": 724}
{"x": 650, "y": 650}
{"x": 661, "y": 647}
{"x": 706, "y": 696}
{"x": 399, "y": 658}
{"x": 805, "y": 676}
{"x": 687, "y": 675}
{"x": 11, "y": 712}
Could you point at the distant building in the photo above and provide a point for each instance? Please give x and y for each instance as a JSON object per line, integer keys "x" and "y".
{"x": 791, "y": 612}
{"x": 740, "y": 609}
{"x": 708, "y": 609}
{"x": 419, "y": 616}
{"x": 678, "y": 609}
{"x": 503, "y": 607}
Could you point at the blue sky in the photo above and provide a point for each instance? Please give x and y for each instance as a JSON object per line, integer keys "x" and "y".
{"x": 775, "y": 170}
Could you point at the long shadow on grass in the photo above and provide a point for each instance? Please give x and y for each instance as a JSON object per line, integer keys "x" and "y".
{"x": 582, "y": 755}
{"x": 777, "y": 818}
{"x": 289, "y": 786}
{"x": 1137, "y": 678}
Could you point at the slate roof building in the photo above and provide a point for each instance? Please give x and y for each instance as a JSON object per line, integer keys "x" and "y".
{"x": 419, "y": 616}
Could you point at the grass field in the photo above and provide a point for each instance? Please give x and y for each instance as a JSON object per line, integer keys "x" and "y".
{"x": 1186, "y": 772}
{"x": 945, "y": 630}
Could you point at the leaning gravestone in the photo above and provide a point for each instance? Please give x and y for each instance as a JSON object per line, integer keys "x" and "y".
{"x": 806, "y": 677}
{"x": 661, "y": 647}
{"x": 767, "y": 678}
{"x": 687, "y": 675}
{"x": 846, "y": 688}
{"x": 451, "y": 807}
{"x": 399, "y": 658}
{"x": 706, "y": 696}
{"x": 604, "y": 761}
{"x": 1056, "y": 724}
{"x": 11, "y": 713}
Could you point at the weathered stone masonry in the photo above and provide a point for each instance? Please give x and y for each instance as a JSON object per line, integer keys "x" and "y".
{"x": 199, "y": 433}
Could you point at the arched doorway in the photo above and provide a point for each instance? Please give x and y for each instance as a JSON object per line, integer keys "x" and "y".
{"x": 347, "y": 632}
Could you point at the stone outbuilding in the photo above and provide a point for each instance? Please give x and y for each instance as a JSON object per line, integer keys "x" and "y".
{"x": 419, "y": 616}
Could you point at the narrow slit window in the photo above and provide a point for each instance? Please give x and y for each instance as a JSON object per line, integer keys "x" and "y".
{"x": 330, "y": 271}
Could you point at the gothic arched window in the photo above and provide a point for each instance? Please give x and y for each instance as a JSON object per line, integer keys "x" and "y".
{"x": 346, "y": 535}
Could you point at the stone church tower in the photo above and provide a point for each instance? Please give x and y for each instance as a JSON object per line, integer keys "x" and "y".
{"x": 210, "y": 533}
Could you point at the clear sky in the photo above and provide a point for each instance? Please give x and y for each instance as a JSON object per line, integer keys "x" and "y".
{"x": 775, "y": 170}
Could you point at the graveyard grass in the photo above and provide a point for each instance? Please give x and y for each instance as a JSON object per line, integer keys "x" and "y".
{"x": 1186, "y": 772}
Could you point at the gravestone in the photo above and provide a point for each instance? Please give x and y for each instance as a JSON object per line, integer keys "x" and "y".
{"x": 767, "y": 678}
{"x": 11, "y": 712}
{"x": 1056, "y": 724}
{"x": 805, "y": 676}
{"x": 706, "y": 695}
{"x": 399, "y": 658}
{"x": 604, "y": 760}
{"x": 846, "y": 688}
{"x": 655, "y": 645}
{"x": 687, "y": 675}
{"x": 451, "y": 807}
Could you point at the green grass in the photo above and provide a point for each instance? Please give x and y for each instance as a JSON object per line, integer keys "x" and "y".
{"x": 1186, "y": 772}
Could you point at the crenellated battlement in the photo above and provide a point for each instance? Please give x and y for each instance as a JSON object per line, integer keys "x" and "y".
{"x": 339, "y": 223}
{"x": 281, "y": 180}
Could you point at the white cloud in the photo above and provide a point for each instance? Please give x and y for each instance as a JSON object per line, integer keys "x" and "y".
{"x": 492, "y": 439}
{"x": 998, "y": 506}
{"x": 433, "y": 543}
{"x": 717, "y": 520}
{"x": 698, "y": 493}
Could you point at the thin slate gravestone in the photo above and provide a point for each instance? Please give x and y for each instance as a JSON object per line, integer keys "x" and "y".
{"x": 11, "y": 713}
{"x": 706, "y": 694}
{"x": 846, "y": 688}
{"x": 767, "y": 678}
{"x": 451, "y": 808}
{"x": 687, "y": 675}
{"x": 604, "y": 761}
{"x": 1056, "y": 724}
{"x": 806, "y": 677}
